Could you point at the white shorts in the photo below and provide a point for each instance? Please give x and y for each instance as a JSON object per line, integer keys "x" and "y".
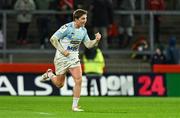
{"x": 62, "y": 64}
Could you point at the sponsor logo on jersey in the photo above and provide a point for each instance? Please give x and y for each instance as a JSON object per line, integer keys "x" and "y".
{"x": 75, "y": 42}
{"x": 71, "y": 48}
{"x": 63, "y": 28}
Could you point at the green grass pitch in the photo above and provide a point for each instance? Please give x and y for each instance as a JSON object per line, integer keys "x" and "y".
{"x": 95, "y": 107}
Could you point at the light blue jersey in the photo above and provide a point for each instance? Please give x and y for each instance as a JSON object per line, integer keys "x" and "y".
{"x": 70, "y": 37}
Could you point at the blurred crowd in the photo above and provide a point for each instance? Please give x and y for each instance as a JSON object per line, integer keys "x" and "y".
{"x": 101, "y": 19}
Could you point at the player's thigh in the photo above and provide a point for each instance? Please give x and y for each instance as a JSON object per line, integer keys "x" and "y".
{"x": 76, "y": 72}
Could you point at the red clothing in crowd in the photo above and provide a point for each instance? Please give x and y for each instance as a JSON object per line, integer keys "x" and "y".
{"x": 156, "y": 5}
{"x": 69, "y": 3}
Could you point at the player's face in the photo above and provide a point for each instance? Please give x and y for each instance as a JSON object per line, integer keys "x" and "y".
{"x": 81, "y": 21}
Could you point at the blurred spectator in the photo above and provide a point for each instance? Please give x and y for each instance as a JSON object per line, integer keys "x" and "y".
{"x": 102, "y": 18}
{"x": 1, "y": 4}
{"x": 6, "y": 4}
{"x": 126, "y": 23}
{"x": 63, "y": 5}
{"x": 24, "y": 10}
{"x": 159, "y": 56}
{"x": 1, "y": 37}
{"x": 81, "y": 4}
{"x": 140, "y": 45}
{"x": 177, "y": 4}
{"x": 172, "y": 53}
{"x": 0, "y": 17}
{"x": 156, "y": 5}
{"x": 43, "y": 23}
{"x": 113, "y": 34}
{"x": 93, "y": 67}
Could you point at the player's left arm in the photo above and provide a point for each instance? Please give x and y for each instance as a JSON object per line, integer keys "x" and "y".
{"x": 92, "y": 43}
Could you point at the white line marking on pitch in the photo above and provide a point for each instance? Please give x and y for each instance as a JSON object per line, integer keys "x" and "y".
{"x": 44, "y": 113}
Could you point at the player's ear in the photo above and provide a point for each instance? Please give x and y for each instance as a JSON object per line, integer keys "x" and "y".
{"x": 75, "y": 19}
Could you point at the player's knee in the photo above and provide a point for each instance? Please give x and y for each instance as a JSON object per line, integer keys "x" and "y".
{"x": 78, "y": 81}
{"x": 60, "y": 85}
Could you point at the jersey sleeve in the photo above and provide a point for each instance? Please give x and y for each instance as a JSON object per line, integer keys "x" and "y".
{"x": 86, "y": 36}
{"x": 61, "y": 32}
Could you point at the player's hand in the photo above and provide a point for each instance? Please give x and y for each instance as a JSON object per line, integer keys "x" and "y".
{"x": 98, "y": 36}
{"x": 66, "y": 53}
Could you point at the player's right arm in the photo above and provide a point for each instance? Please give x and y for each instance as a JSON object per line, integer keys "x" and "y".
{"x": 54, "y": 41}
{"x": 59, "y": 35}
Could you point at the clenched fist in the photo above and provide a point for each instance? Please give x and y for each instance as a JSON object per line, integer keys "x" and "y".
{"x": 98, "y": 36}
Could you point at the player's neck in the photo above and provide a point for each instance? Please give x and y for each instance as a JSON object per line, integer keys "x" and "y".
{"x": 76, "y": 25}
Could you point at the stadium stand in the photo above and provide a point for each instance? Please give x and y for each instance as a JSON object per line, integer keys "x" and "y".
{"x": 115, "y": 62}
